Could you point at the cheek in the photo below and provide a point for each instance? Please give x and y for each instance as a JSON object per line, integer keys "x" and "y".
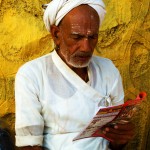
{"x": 72, "y": 46}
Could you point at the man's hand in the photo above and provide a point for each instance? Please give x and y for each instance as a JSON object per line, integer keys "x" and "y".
{"x": 119, "y": 134}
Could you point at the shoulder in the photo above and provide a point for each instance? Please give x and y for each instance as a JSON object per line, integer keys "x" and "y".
{"x": 105, "y": 68}
{"x": 101, "y": 60}
{"x": 104, "y": 64}
{"x": 34, "y": 67}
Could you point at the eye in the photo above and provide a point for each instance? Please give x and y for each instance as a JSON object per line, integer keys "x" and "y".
{"x": 95, "y": 36}
{"x": 76, "y": 36}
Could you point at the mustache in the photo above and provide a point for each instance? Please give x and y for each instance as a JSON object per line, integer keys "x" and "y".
{"x": 82, "y": 54}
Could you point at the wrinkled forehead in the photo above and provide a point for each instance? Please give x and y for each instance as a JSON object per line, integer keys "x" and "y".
{"x": 81, "y": 17}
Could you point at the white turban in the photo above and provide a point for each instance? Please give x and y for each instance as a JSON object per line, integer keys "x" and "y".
{"x": 57, "y": 9}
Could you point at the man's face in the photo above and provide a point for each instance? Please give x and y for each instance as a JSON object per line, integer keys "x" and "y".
{"x": 78, "y": 36}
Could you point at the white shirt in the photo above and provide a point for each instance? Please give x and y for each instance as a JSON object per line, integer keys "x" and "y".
{"x": 53, "y": 104}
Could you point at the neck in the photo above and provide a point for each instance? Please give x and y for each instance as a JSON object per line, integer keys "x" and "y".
{"x": 82, "y": 73}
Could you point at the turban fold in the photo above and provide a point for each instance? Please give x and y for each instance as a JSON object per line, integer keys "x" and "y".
{"x": 57, "y": 9}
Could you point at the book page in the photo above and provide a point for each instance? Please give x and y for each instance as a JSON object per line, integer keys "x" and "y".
{"x": 110, "y": 116}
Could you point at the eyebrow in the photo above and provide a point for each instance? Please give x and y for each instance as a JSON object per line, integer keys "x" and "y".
{"x": 82, "y": 35}
{"x": 76, "y": 33}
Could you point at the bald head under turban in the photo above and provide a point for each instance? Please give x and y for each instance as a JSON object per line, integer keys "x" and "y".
{"x": 57, "y": 9}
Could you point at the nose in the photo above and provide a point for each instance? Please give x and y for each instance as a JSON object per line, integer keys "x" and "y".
{"x": 86, "y": 45}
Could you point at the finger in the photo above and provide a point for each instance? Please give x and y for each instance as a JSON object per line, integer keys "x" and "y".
{"x": 119, "y": 132}
{"x": 119, "y": 138}
{"x": 126, "y": 127}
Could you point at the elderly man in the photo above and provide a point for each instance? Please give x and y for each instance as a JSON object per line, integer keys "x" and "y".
{"x": 59, "y": 93}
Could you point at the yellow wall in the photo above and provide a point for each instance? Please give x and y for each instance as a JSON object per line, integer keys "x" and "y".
{"x": 124, "y": 38}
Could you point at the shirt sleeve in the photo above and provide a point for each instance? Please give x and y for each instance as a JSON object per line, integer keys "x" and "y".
{"x": 29, "y": 122}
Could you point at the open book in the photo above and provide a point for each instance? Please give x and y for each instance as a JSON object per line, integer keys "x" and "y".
{"x": 109, "y": 116}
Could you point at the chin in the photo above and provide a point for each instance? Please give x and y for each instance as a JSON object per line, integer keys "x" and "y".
{"x": 77, "y": 65}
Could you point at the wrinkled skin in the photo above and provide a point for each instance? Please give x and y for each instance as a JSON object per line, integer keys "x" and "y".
{"x": 76, "y": 36}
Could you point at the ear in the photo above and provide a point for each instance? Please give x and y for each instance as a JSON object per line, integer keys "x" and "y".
{"x": 55, "y": 32}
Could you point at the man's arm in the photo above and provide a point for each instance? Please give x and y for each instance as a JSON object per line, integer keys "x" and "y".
{"x": 32, "y": 148}
{"x": 29, "y": 122}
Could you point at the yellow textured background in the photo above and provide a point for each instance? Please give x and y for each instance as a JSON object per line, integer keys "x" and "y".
{"x": 124, "y": 38}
